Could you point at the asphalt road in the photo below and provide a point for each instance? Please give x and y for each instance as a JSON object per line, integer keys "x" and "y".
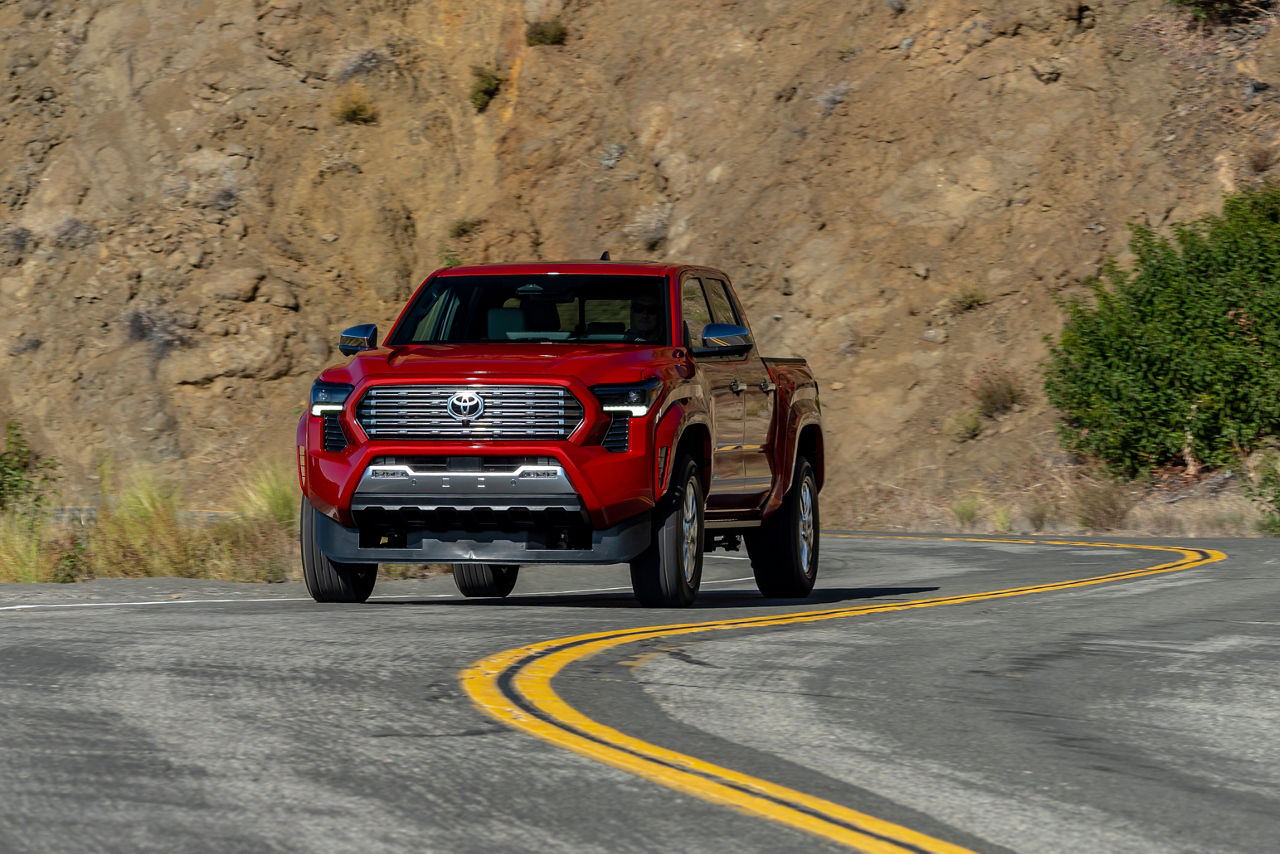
{"x": 1135, "y": 715}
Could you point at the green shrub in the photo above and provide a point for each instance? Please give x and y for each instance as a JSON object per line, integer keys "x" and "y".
{"x": 25, "y": 479}
{"x": 545, "y": 32}
{"x": 1221, "y": 11}
{"x": 448, "y": 257}
{"x": 484, "y": 87}
{"x": 70, "y": 559}
{"x": 1179, "y": 359}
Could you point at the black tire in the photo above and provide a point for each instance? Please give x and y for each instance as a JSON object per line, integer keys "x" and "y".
{"x": 669, "y": 572}
{"x": 494, "y": 580}
{"x": 327, "y": 580}
{"x": 784, "y": 550}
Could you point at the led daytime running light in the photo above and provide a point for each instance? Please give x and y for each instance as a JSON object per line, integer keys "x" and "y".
{"x": 329, "y": 397}
{"x": 633, "y": 399}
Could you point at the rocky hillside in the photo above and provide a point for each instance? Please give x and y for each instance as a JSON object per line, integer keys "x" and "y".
{"x": 197, "y": 196}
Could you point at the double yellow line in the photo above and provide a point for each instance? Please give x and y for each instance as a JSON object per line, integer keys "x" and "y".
{"x": 514, "y": 686}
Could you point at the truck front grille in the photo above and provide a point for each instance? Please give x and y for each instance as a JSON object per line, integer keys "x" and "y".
{"x": 509, "y": 412}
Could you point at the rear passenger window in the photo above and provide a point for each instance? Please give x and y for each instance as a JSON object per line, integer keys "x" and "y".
{"x": 696, "y": 313}
{"x": 721, "y": 307}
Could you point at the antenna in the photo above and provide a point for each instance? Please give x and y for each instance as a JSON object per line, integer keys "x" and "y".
{"x": 604, "y": 256}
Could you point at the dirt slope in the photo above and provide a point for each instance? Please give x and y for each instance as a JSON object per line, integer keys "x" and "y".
{"x": 185, "y": 224}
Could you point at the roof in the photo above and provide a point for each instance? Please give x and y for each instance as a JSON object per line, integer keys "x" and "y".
{"x": 608, "y": 268}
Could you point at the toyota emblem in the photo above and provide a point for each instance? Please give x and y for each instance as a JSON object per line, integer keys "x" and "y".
{"x": 465, "y": 406}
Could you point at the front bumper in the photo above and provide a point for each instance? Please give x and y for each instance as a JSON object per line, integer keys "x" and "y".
{"x": 608, "y": 487}
{"x": 617, "y": 544}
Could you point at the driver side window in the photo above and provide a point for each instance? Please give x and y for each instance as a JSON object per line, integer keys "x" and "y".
{"x": 718, "y": 297}
{"x": 694, "y": 309}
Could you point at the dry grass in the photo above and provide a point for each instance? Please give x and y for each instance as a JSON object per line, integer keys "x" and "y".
{"x": 403, "y": 571}
{"x": 965, "y": 511}
{"x": 997, "y": 389}
{"x": 140, "y": 533}
{"x": 1102, "y": 504}
{"x": 1043, "y": 493}
{"x": 1224, "y": 515}
{"x": 23, "y": 553}
{"x": 142, "y": 530}
{"x": 461, "y": 228}
{"x": 963, "y": 426}
{"x": 968, "y": 299}
{"x": 1039, "y": 512}
{"x": 1260, "y": 159}
{"x": 354, "y": 107}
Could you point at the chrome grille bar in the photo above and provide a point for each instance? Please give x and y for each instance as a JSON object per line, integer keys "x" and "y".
{"x": 510, "y": 412}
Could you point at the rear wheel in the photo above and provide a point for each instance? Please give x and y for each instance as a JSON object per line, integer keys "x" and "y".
{"x": 669, "y": 572}
{"x": 784, "y": 550}
{"x": 328, "y": 580}
{"x": 485, "y": 579}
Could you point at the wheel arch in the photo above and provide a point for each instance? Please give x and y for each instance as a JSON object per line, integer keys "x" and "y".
{"x": 810, "y": 446}
{"x": 696, "y": 442}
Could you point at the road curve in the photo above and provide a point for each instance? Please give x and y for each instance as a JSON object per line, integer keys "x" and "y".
{"x": 923, "y": 700}
{"x": 515, "y": 687}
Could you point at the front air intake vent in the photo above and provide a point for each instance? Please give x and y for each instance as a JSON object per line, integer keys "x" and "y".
{"x": 618, "y": 437}
{"x": 473, "y": 413}
{"x": 334, "y": 437}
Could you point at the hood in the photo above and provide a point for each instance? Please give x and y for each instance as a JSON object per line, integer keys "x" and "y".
{"x": 480, "y": 363}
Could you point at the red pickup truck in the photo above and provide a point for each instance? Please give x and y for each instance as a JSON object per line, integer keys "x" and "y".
{"x": 561, "y": 413}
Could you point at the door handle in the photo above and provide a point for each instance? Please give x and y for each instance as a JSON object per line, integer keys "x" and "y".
{"x": 735, "y": 386}
{"x": 767, "y": 386}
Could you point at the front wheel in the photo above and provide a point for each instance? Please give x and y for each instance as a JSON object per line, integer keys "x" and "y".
{"x": 669, "y": 572}
{"x": 784, "y": 550}
{"x": 328, "y": 580}
{"x": 492, "y": 580}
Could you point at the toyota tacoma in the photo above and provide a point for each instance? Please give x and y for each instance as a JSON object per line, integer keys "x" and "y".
{"x": 561, "y": 413}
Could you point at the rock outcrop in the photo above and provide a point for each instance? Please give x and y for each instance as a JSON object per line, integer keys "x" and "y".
{"x": 191, "y": 208}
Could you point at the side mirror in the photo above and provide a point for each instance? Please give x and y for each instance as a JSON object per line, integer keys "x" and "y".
{"x": 724, "y": 339}
{"x": 357, "y": 338}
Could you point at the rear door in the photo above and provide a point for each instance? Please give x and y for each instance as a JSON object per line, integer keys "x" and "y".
{"x": 727, "y": 409}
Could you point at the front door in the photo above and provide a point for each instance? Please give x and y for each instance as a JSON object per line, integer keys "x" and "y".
{"x": 727, "y": 408}
{"x": 756, "y": 390}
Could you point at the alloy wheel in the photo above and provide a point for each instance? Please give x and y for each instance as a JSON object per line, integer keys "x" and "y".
{"x": 806, "y": 525}
{"x": 689, "y": 530}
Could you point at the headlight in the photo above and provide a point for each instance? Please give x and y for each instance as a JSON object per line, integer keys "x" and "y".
{"x": 329, "y": 397}
{"x": 635, "y": 399}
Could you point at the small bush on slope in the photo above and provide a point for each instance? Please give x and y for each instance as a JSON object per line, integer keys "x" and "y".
{"x": 1179, "y": 359}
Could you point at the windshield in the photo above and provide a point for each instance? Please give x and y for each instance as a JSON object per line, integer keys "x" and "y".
{"x": 537, "y": 308}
